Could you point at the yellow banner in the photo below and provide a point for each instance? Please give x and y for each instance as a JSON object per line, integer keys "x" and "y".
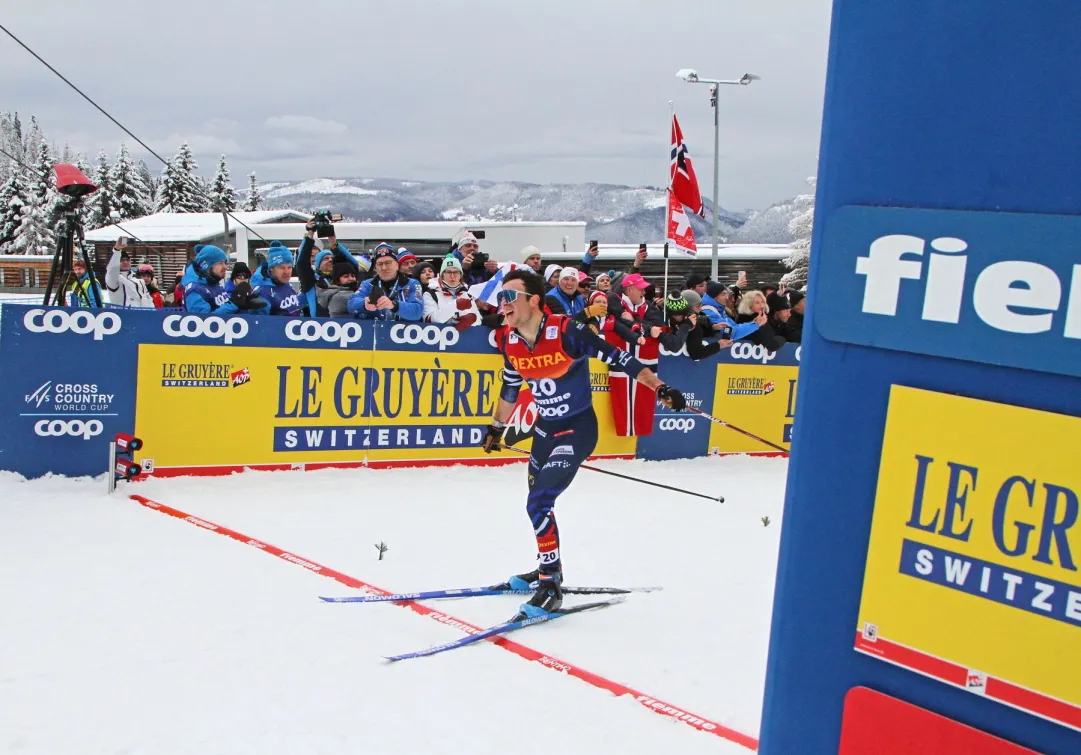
{"x": 976, "y": 541}
{"x": 295, "y": 406}
{"x": 757, "y": 398}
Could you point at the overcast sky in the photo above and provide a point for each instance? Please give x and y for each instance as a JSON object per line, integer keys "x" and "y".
{"x": 553, "y": 91}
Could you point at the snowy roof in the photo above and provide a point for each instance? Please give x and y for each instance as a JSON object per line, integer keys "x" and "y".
{"x": 189, "y": 226}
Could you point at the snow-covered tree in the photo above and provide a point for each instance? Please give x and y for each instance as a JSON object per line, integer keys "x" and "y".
{"x": 130, "y": 196}
{"x": 84, "y": 208}
{"x": 12, "y": 202}
{"x": 253, "y": 200}
{"x": 149, "y": 181}
{"x": 33, "y": 236}
{"x": 101, "y": 201}
{"x": 220, "y": 189}
{"x": 179, "y": 190}
{"x": 799, "y": 259}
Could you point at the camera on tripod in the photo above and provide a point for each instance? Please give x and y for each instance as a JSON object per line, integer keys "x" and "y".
{"x": 73, "y": 184}
{"x": 324, "y": 223}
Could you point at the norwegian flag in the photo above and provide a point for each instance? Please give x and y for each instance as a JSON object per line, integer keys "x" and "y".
{"x": 681, "y": 178}
{"x": 680, "y": 233}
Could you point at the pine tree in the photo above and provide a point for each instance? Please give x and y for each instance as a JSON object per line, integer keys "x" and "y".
{"x": 220, "y": 189}
{"x": 101, "y": 201}
{"x": 84, "y": 208}
{"x": 799, "y": 260}
{"x": 179, "y": 187}
{"x": 44, "y": 187}
{"x": 129, "y": 195}
{"x": 149, "y": 181}
{"x": 253, "y": 200}
{"x": 12, "y": 201}
{"x": 33, "y": 236}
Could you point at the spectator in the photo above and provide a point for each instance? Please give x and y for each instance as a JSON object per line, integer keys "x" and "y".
{"x": 696, "y": 282}
{"x": 754, "y": 309}
{"x": 204, "y": 293}
{"x": 474, "y": 271}
{"x": 240, "y": 273}
{"x": 333, "y": 295}
{"x": 585, "y": 284}
{"x": 564, "y": 299}
{"x": 795, "y": 320}
{"x": 604, "y": 282}
{"x": 592, "y": 253}
{"x": 685, "y": 328}
{"x": 407, "y": 261}
{"x": 315, "y": 266}
{"x": 125, "y": 289}
{"x": 175, "y": 295}
{"x": 448, "y": 300}
{"x": 424, "y": 272}
{"x": 531, "y": 258}
{"x": 146, "y": 275}
{"x": 387, "y": 295}
{"x": 729, "y": 328}
{"x": 640, "y": 313}
{"x": 779, "y": 311}
{"x": 551, "y": 277}
{"x": 272, "y": 281}
{"x": 85, "y": 291}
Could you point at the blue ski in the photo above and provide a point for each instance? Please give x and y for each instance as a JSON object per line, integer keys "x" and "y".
{"x": 467, "y": 592}
{"x": 504, "y": 628}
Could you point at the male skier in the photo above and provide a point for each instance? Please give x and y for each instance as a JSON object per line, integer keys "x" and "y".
{"x": 551, "y": 353}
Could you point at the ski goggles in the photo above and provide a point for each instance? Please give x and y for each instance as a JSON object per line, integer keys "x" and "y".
{"x": 508, "y": 296}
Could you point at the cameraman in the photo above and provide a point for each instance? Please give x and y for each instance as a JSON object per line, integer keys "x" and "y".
{"x": 204, "y": 293}
{"x": 387, "y": 295}
{"x": 315, "y": 267}
{"x": 272, "y": 281}
{"x": 476, "y": 266}
{"x": 125, "y": 289}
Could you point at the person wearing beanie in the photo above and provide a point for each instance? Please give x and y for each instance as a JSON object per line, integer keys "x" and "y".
{"x": 122, "y": 286}
{"x": 406, "y": 261}
{"x": 424, "y": 272}
{"x": 464, "y": 248}
{"x": 715, "y": 308}
{"x": 685, "y": 329}
{"x": 603, "y": 282}
{"x": 693, "y": 299}
{"x": 239, "y": 274}
{"x": 779, "y": 312}
{"x": 272, "y": 281}
{"x": 696, "y": 282}
{"x": 204, "y": 292}
{"x": 333, "y": 295}
{"x": 448, "y": 300}
{"x": 314, "y": 267}
{"x": 531, "y": 258}
{"x": 551, "y": 276}
{"x": 389, "y": 294}
{"x": 564, "y": 299}
{"x": 794, "y": 330}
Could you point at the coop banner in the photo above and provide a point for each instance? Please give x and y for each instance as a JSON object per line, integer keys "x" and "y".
{"x": 972, "y": 570}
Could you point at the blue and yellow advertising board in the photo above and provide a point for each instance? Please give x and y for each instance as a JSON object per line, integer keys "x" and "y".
{"x": 972, "y": 565}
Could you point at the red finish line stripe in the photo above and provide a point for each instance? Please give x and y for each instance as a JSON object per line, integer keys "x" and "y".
{"x": 657, "y": 706}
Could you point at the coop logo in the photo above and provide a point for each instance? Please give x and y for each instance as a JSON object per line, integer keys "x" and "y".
{"x": 332, "y": 332}
{"x": 749, "y": 386}
{"x": 430, "y": 335}
{"x": 75, "y": 428}
{"x": 677, "y": 424}
{"x": 190, "y": 326}
{"x": 752, "y": 351}
{"x": 81, "y": 323}
{"x": 239, "y": 377}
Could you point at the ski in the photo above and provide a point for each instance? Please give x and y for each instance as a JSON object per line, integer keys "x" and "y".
{"x": 472, "y": 592}
{"x": 518, "y": 622}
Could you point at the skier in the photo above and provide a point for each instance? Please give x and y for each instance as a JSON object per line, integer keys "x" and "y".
{"x": 551, "y": 353}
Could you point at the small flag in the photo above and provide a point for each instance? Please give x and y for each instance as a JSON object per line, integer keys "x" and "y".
{"x": 680, "y": 233}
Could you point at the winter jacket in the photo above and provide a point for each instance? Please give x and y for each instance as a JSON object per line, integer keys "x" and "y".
{"x": 717, "y": 315}
{"x": 125, "y": 290}
{"x": 403, "y": 291}
{"x": 81, "y": 293}
{"x": 203, "y": 297}
{"x": 334, "y": 300}
{"x": 309, "y": 274}
{"x": 793, "y": 332}
{"x": 471, "y": 277}
{"x": 765, "y": 335}
{"x": 282, "y": 297}
{"x": 441, "y": 303}
{"x": 695, "y": 339}
{"x": 561, "y": 304}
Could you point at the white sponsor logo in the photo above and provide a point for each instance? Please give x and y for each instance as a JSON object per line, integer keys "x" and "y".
{"x": 676, "y": 713}
{"x": 201, "y": 523}
{"x": 431, "y": 335}
{"x": 557, "y": 464}
{"x": 682, "y": 424}
{"x": 41, "y": 395}
{"x": 190, "y": 326}
{"x": 553, "y": 663}
{"x": 976, "y": 681}
{"x": 562, "y": 451}
{"x": 682, "y": 351}
{"x": 753, "y": 351}
{"x": 798, "y": 349}
{"x": 553, "y": 411}
{"x": 998, "y": 292}
{"x": 312, "y": 330}
{"x": 551, "y": 332}
{"x": 75, "y": 427}
{"x": 58, "y": 321}
{"x": 300, "y": 562}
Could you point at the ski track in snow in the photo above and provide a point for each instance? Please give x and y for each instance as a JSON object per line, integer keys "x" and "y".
{"x": 128, "y": 631}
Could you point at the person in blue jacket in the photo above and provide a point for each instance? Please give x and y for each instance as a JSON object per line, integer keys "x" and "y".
{"x": 320, "y": 272}
{"x": 272, "y": 281}
{"x": 203, "y": 290}
{"x": 388, "y": 294}
{"x": 713, "y": 308}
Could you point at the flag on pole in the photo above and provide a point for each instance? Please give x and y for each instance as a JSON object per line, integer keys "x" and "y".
{"x": 681, "y": 180}
{"x": 680, "y": 234}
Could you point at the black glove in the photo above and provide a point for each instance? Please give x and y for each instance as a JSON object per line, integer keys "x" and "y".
{"x": 493, "y": 438}
{"x": 671, "y": 397}
{"x": 244, "y": 298}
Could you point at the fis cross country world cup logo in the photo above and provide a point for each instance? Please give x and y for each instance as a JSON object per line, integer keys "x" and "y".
{"x": 61, "y": 397}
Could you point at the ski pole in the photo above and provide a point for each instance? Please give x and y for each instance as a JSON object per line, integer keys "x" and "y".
{"x": 719, "y": 498}
{"x": 722, "y": 423}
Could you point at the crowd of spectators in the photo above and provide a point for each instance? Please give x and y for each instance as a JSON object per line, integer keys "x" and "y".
{"x": 458, "y": 290}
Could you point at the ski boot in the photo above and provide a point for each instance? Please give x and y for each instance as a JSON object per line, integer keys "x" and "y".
{"x": 547, "y": 599}
{"x": 527, "y": 581}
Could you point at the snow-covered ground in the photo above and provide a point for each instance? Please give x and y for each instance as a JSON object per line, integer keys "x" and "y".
{"x": 128, "y": 631}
